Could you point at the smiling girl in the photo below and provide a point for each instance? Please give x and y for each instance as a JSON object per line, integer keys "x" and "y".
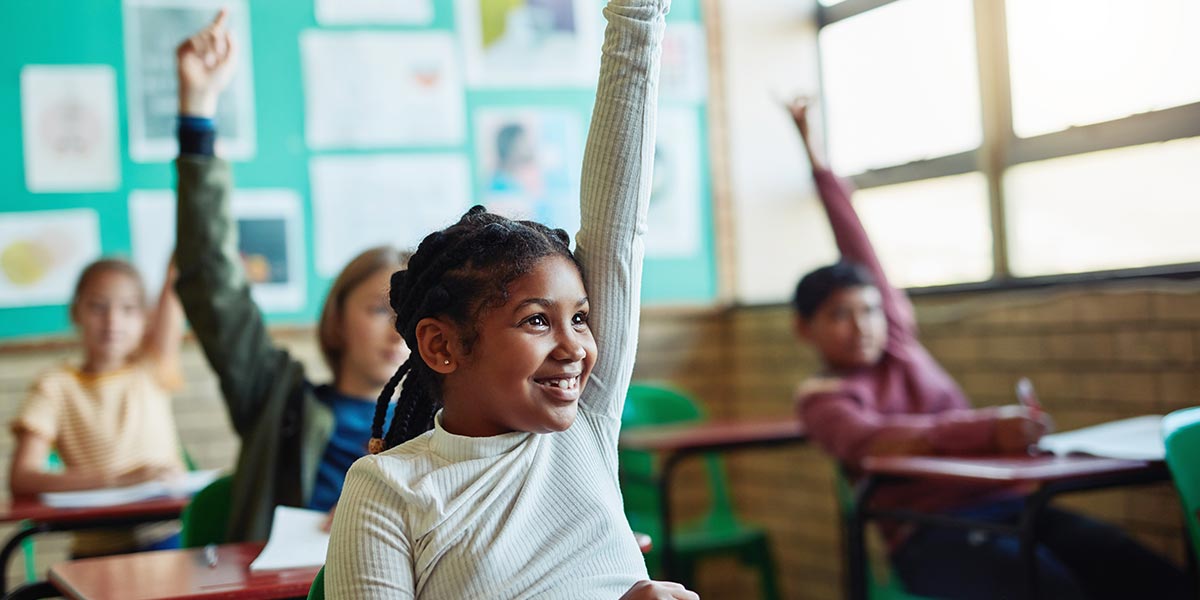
{"x": 501, "y": 477}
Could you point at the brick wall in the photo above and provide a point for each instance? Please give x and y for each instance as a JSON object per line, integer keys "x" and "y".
{"x": 1095, "y": 355}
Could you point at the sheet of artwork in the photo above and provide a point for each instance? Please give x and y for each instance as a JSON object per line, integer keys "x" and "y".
{"x": 69, "y": 128}
{"x": 270, "y": 229}
{"x": 365, "y": 201}
{"x": 530, "y": 43}
{"x": 367, "y": 89}
{"x": 153, "y": 29}
{"x": 684, "y": 76}
{"x": 350, "y": 12}
{"x": 675, "y": 199}
{"x": 529, "y": 162}
{"x": 42, "y": 253}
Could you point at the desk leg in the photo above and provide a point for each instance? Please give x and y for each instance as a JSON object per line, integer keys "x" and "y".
{"x": 1027, "y": 536}
{"x": 10, "y": 547}
{"x": 856, "y": 541}
{"x": 664, "y": 509}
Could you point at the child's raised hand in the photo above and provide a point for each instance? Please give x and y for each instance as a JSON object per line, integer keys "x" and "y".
{"x": 659, "y": 590}
{"x": 205, "y": 64}
{"x": 798, "y": 108}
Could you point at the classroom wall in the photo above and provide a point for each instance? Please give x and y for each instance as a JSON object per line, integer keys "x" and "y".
{"x": 1095, "y": 354}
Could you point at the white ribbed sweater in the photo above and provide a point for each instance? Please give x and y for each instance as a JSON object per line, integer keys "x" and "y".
{"x": 524, "y": 515}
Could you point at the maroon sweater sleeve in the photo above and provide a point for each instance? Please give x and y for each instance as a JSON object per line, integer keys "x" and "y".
{"x": 854, "y": 245}
{"x": 848, "y": 431}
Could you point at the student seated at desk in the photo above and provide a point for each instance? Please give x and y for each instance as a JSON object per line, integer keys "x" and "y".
{"x": 882, "y": 393}
{"x": 298, "y": 438}
{"x": 109, "y": 418}
{"x": 499, "y": 478}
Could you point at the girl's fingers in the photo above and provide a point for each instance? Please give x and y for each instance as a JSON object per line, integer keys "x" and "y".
{"x": 219, "y": 20}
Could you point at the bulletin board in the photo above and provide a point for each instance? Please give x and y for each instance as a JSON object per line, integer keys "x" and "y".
{"x": 351, "y": 123}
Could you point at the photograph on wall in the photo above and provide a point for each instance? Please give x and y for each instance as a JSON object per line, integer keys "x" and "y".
{"x": 367, "y": 12}
{"x": 675, "y": 197}
{"x": 270, "y": 230}
{"x": 380, "y": 199}
{"x": 42, "y": 254}
{"x": 153, "y": 29}
{"x": 530, "y": 43}
{"x": 529, "y": 161}
{"x": 69, "y": 128}
{"x": 684, "y": 75}
{"x": 368, "y": 89}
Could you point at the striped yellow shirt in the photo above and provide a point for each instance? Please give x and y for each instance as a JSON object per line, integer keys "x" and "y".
{"x": 110, "y": 424}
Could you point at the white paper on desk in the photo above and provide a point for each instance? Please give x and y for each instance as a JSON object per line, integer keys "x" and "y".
{"x": 186, "y": 485}
{"x": 1139, "y": 438}
{"x": 296, "y": 541}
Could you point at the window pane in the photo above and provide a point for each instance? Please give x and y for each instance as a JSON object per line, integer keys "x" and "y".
{"x": 1130, "y": 207}
{"x": 930, "y": 232}
{"x": 1075, "y": 62}
{"x": 900, "y": 83}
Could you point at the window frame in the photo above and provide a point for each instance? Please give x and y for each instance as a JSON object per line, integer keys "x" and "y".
{"x": 1001, "y": 149}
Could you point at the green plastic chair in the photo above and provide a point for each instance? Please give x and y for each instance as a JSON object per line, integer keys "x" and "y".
{"x": 717, "y": 533}
{"x": 1181, "y": 434}
{"x": 317, "y": 590}
{"x": 882, "y": 584}
{"x": 206, "y": 518}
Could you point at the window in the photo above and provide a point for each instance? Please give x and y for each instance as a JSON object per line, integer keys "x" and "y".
{"x": 1037, "y": 138}
{"x": 900, "y": 84}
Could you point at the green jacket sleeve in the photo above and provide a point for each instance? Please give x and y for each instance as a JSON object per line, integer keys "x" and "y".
{"x": 216, "y": 295}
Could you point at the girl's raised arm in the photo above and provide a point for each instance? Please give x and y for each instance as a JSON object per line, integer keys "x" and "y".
{"x": 617, "y": 165}
{"x": 165, "y": 333}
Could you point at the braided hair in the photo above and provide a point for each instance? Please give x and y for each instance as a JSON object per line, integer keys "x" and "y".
{"x": 456, "y": 273}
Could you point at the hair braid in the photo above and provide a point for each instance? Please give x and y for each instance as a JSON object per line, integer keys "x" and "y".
{"x": 376, "y": 444}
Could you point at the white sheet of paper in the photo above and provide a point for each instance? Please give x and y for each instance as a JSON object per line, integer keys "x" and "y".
{"x": 186, "y": 485}
{"x": 1138, "y": 438}
{"x": 349, "y": 12}
{"x": 153, "y": 29}
{"x": 296, "y": 541}
{"x": 673, "y": 219}
{"x": 43, "y": 252}
{"x": 366, "y": 89}
{"x": 524, "y": 44}
{"x": 270, "y": 226}
{"x": 684, "y": 64}
{"x": 69, "y": 128}
{"x": 365, "y": 201}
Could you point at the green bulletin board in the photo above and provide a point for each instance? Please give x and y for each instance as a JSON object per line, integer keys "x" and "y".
{"x": 44, "y": 33}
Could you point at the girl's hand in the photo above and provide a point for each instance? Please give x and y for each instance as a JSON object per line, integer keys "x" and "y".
{"x": 659, "y": 590}
{"x": 205, "y": 64}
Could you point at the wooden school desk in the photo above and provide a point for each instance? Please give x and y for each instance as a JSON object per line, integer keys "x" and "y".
{"x": 179, "y": 575}
{"x": 677, "y": 442}
{"x": 46, "y": 519}
{"x": 1050, "y": 475}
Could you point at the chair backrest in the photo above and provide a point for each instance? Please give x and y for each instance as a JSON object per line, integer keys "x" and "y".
{"x": 206, "y": 518}
{"x": 317, "y": 590}
{"x": 652, "y": 404}
{"x": 1181, "y": 435}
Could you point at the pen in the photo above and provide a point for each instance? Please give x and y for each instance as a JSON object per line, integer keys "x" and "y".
{"x": 210, "y": 555}
{"x": 1027, "y": 397}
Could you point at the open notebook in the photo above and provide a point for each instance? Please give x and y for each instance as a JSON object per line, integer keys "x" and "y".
{"x": 186, "y": 485}
{"x": 1139, "y": 438}
{"x": 296, "y": 541}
